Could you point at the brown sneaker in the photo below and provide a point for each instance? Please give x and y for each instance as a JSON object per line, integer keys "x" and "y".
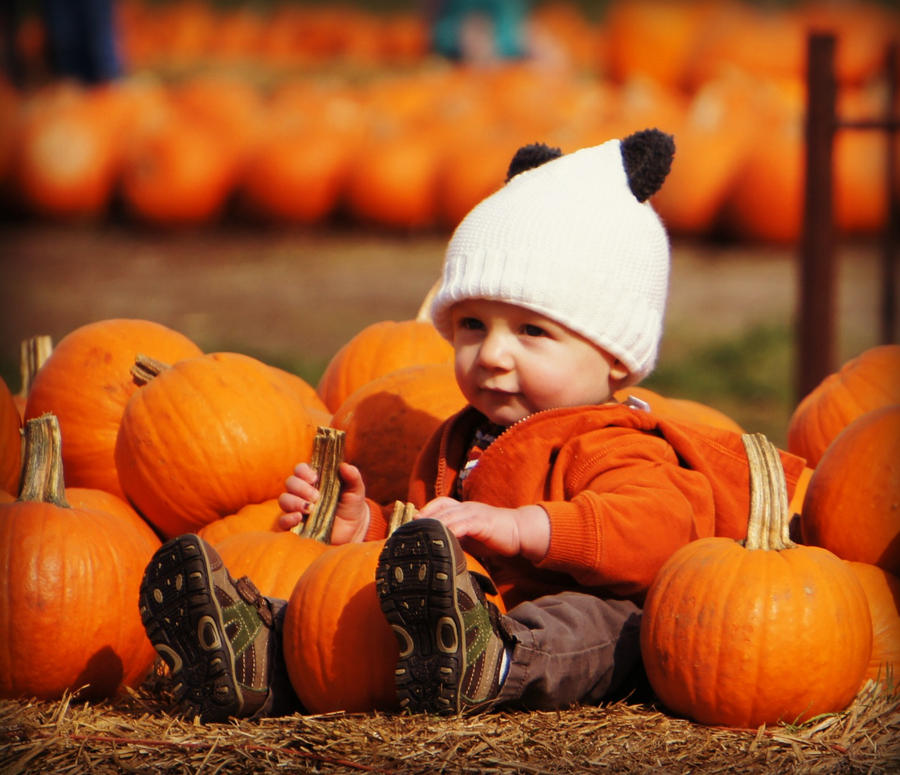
{"x": 451, "y": 651}
{"x": 215, "y": 634}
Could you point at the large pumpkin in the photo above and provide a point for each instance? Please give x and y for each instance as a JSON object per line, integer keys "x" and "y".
{"x": 852, "y": 504}
{"x": 10, "y": 441}
{"x": 743, "y": 635}
{"x": 864, "y": 383}
{"x": 70, "y": 579}
{"x": 86, "y": 383}
{"x": 388, "y": 420}
{"x": 378, "y": 349}
{"x": 206, "y": 436}
{"x": 883, "y": 594}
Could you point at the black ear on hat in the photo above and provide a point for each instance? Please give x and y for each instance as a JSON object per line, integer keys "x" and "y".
{"x": 530, "y": 156}
{"x": 647, "y": 156}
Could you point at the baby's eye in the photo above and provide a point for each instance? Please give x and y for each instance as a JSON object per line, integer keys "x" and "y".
{"x": 529, "y": 329}
{"x": 470, "y": 324}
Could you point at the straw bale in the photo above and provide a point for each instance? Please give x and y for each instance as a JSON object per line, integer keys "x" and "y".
{"x": 140, "y": 733}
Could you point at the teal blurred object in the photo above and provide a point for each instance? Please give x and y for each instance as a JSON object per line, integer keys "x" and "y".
{"x": 451, "y": 21}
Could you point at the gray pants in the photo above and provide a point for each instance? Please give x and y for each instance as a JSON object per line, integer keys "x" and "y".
{"x": 568, "y": 648}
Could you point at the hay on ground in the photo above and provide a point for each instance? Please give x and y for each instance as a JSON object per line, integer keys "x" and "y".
{"x": 137, "y": 733}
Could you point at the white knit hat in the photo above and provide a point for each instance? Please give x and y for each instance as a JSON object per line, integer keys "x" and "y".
{"x": 575, "y": 240}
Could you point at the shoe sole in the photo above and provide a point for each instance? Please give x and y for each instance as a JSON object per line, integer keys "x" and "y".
{"x": 183, "y": 620}
{"x": 416, "y": 583}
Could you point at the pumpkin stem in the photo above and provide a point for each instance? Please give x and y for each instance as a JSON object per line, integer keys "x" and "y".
{"x": 33, "y": 351}
{"x": 146, "y": 368}
{"x": 770, "y": 514}
{"x": 42, "y": 479}
{"x": 402, "y": 513}
{"x": 328, "y": 451}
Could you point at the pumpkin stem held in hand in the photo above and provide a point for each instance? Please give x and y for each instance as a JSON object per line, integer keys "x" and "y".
{"x": 42, "y": 479}
{"x": 33, "y": 351}
{"x": 328, "y": 451}
{"x": 146, "y": 368}
{"x": 770, "y": 514}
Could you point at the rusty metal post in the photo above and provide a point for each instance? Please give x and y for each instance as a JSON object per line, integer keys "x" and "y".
{"x": 814, "y": 341}
{"x": 889, "y": 331}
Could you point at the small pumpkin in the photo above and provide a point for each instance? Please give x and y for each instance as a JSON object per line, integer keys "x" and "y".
{"x": 379, "y": 348}
{"x": 205, "y": 436}
{"x": 70, "y": 579}
{"x": 852, "y": 504}
{"x": 681, "y": 409}
{"x": 253, "y": 517}
{"x": 339, "y": 650}
{"x": 97, "y": 358}
{"x": 744, "y": 634}
{"x": 866, "y": 382}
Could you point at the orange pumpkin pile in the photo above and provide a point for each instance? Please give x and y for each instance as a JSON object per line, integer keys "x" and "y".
{"x": 356, "y": 119}
{"x": 160, "y": 434}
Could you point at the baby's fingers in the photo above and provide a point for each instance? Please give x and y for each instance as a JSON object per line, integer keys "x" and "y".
{"x": 289, "y": 520}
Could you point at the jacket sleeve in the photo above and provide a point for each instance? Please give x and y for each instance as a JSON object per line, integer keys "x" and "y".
{"x": 619, "y": 509}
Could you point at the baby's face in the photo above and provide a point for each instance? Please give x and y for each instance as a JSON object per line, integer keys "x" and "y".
{"x": 511, "y": 362}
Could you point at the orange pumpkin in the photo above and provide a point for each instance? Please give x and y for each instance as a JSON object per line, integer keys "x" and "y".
{"x": 306, "y": 394}
{"x": 339, "y": 650}
{"x": 866, "y": 382}
{"x": 177, "y": 172}
{"x": 393, "y": 182}
{"x": 852, "y": 504}
{"x": 70, "y": 579}
{"x": 634, "y": 28}
{"x": 10, "y": 441}
{"x": 389, "y": 419}
{"x": 250, "y": 518}
{"x": 765, "y": 202}
{"x": 67, "y": 159}
{"x": 883, "y": 594}
{"x": 206, "y": 436}
{"x": 97, "y": 357}
{"x": 472, "y": 171}
{"x": 273, "y": 560}
{"x": 378, "y": 349}
{"x": 712, "y": 143}
{"x": 713, "y": 653}
{"x": 298, "y": 175}
{"x": 680, "y": 409}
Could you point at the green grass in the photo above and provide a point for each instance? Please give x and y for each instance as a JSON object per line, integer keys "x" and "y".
{"x": 747, "y": 377}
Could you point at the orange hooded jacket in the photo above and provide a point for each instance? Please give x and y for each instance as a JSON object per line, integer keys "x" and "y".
{"x": 624, "y": 488}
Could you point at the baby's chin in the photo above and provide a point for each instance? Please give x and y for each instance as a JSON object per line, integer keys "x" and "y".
{"x": 503, "y": 412}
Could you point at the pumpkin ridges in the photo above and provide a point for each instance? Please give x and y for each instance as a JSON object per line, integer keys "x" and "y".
{"x": 866, "y": 382}
{"x": 851, "y": 503}
{"x": 98, "y": 356}
{"x": 730, "y": 658}
{"x": 380, "y": 348}
{"x": 208, "y": 436}
{"x": 71, "y": 576}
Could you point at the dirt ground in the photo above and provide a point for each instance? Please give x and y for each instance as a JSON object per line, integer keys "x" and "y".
{"x": 293, "y": 297}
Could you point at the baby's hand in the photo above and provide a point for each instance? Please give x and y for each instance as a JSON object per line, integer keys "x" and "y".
{"x": 523, "y": 531}
{"x": 351, "y": 517}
